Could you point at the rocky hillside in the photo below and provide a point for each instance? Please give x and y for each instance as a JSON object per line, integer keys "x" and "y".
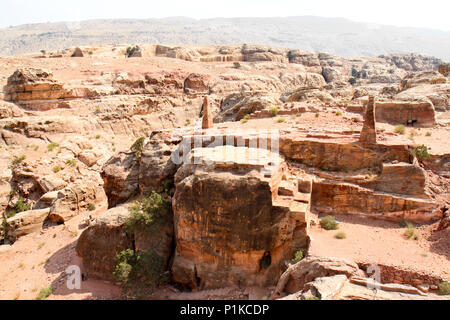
{"x": 333, "y": 35}
{"x": 209, "y": 172}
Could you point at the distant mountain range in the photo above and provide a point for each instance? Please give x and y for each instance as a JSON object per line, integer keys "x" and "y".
{"x": 334, "y": 35}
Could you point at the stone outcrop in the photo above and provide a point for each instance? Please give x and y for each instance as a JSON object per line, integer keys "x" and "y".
{"x": 425, "y": 77}
{"x": 229, "y": 196}
{"x": 77, "y": 53}
{"x": 415, "y": 113}
{"x": 107, "y": 236}
{"x": 35, "y": 89}
{"x": 444, "y": 69}
{"x": 298, "y": 275}
{"x": 207, "y": 119}
{"x": 348, "y": 198}
{"x": 369, "y": 131}
{"x": 126, "y": 174}
{"x": 196, "y": 84}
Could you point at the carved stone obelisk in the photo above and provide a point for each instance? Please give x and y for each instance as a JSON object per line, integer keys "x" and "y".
{"x": 369, "y": 132}
{"x": 207, "y": 121}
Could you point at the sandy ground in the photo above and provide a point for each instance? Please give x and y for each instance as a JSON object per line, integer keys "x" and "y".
{"x": 382, "y": 242}
{"x": 40, "y": 259}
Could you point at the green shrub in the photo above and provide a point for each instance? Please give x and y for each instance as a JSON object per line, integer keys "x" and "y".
{"x": 52, "y": 146}
{"x": 317, "y": 115}
{"x": 236, "y": 65}
{"x": 71, "y": 162}
{"x": 273, "y": 111}
{"x": 421, "y": 152}
{"x": 338, "y": 113}
{"x": 138, "y": 146}
{"x": 444, "y": 288}
{"x": 400, "y": 129}
{"x": 352, "y": 80}
{"x": 18, "y": 160}
{"x": 411, "y": 232}
{"x": 281, "y": 120}
{"x": 139, "y": 273}
{"x": 428, "y": 134}
{"x": 329, "y": 223}
{"x": 143, "y": 213}
{"x": 312, "y": 298}
{"x": 21, "y": 205}
{"x": 132, "y": 50}
{"x": 56, "y": 169}
{"x": 340, "y": 235}
{"x": 298, "y": 256}
{"x": 91, "y": 207}
{"x": 44, "y": 293}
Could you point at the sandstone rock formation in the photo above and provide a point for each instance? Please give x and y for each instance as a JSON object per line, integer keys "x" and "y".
{"x": 421, "y": 114}
{"x": 77, "y": 53}
{"x": 229, "y": 196}
{"x": 35, "y": 89}
{"x": 369, "y": 131}
{"x": 207, "y": 120}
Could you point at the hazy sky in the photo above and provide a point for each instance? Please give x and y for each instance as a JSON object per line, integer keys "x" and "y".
{"x": 412, "y": 13}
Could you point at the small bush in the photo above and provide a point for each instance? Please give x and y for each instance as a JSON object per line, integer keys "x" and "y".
{"x": 421, "y": 152}
{"x": 52, "y": 146}
{"x": 236, "y": 65}
{"x": 273, "y": 111}
{"x": 329, "y": 223}
{"x": 56, "y": 169}
{"x": 71, "y": 162}
{"x": 132, "y": 50}
{"x": 411, "y": 232}
{"x": 139, "y": 273}
{"x": 444, "y": 288}
{"x": 143, "y": 213}
{"x": 428, "y": 134}
{"x": 298, "y": 256}
{"x": 91, "y": 207}
{"x": 18, "y": 160}
{"x": 312, "y": 298}
{"x": 246, "y": 118}
{"x": 317, "y": 115}
{"x": 138, "y": 146}
{"x": 98, "y": 136}
{"x": 21, "y": 205}
{"x": 340, "y": 235}
{"x": 352, "y": 80}
{"x": 281, "y": 120}
{"x": 338, "y": 113}
{"x": 400, "y": 129}
{"x": 44, "y": 293}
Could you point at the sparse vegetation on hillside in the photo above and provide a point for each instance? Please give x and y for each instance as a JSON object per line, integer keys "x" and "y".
{"x": 52, "y": 146}
{"x": 281, "y": 120}
{"x": 44, "y": 293}
{"x": 329, "y": 223}
{"x": 17, "y": 160}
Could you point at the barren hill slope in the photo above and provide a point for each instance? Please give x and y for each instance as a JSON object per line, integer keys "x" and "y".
{"x": 334, "y": 35}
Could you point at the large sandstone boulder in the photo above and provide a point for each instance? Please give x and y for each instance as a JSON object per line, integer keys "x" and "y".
{"x": 230, "y": 226}
{"x": 298, "y": 275}
{"x": 419, "y": 113}
{"x": 108, "y": 235}
{"x": 121, "y": 177}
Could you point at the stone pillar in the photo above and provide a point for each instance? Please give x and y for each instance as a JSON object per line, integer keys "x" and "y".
{"x": 207, "y": 121}
{"x": 368, "y": 132}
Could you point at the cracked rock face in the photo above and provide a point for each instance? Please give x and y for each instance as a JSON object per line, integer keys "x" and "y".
{"x": 230, "y": 228}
